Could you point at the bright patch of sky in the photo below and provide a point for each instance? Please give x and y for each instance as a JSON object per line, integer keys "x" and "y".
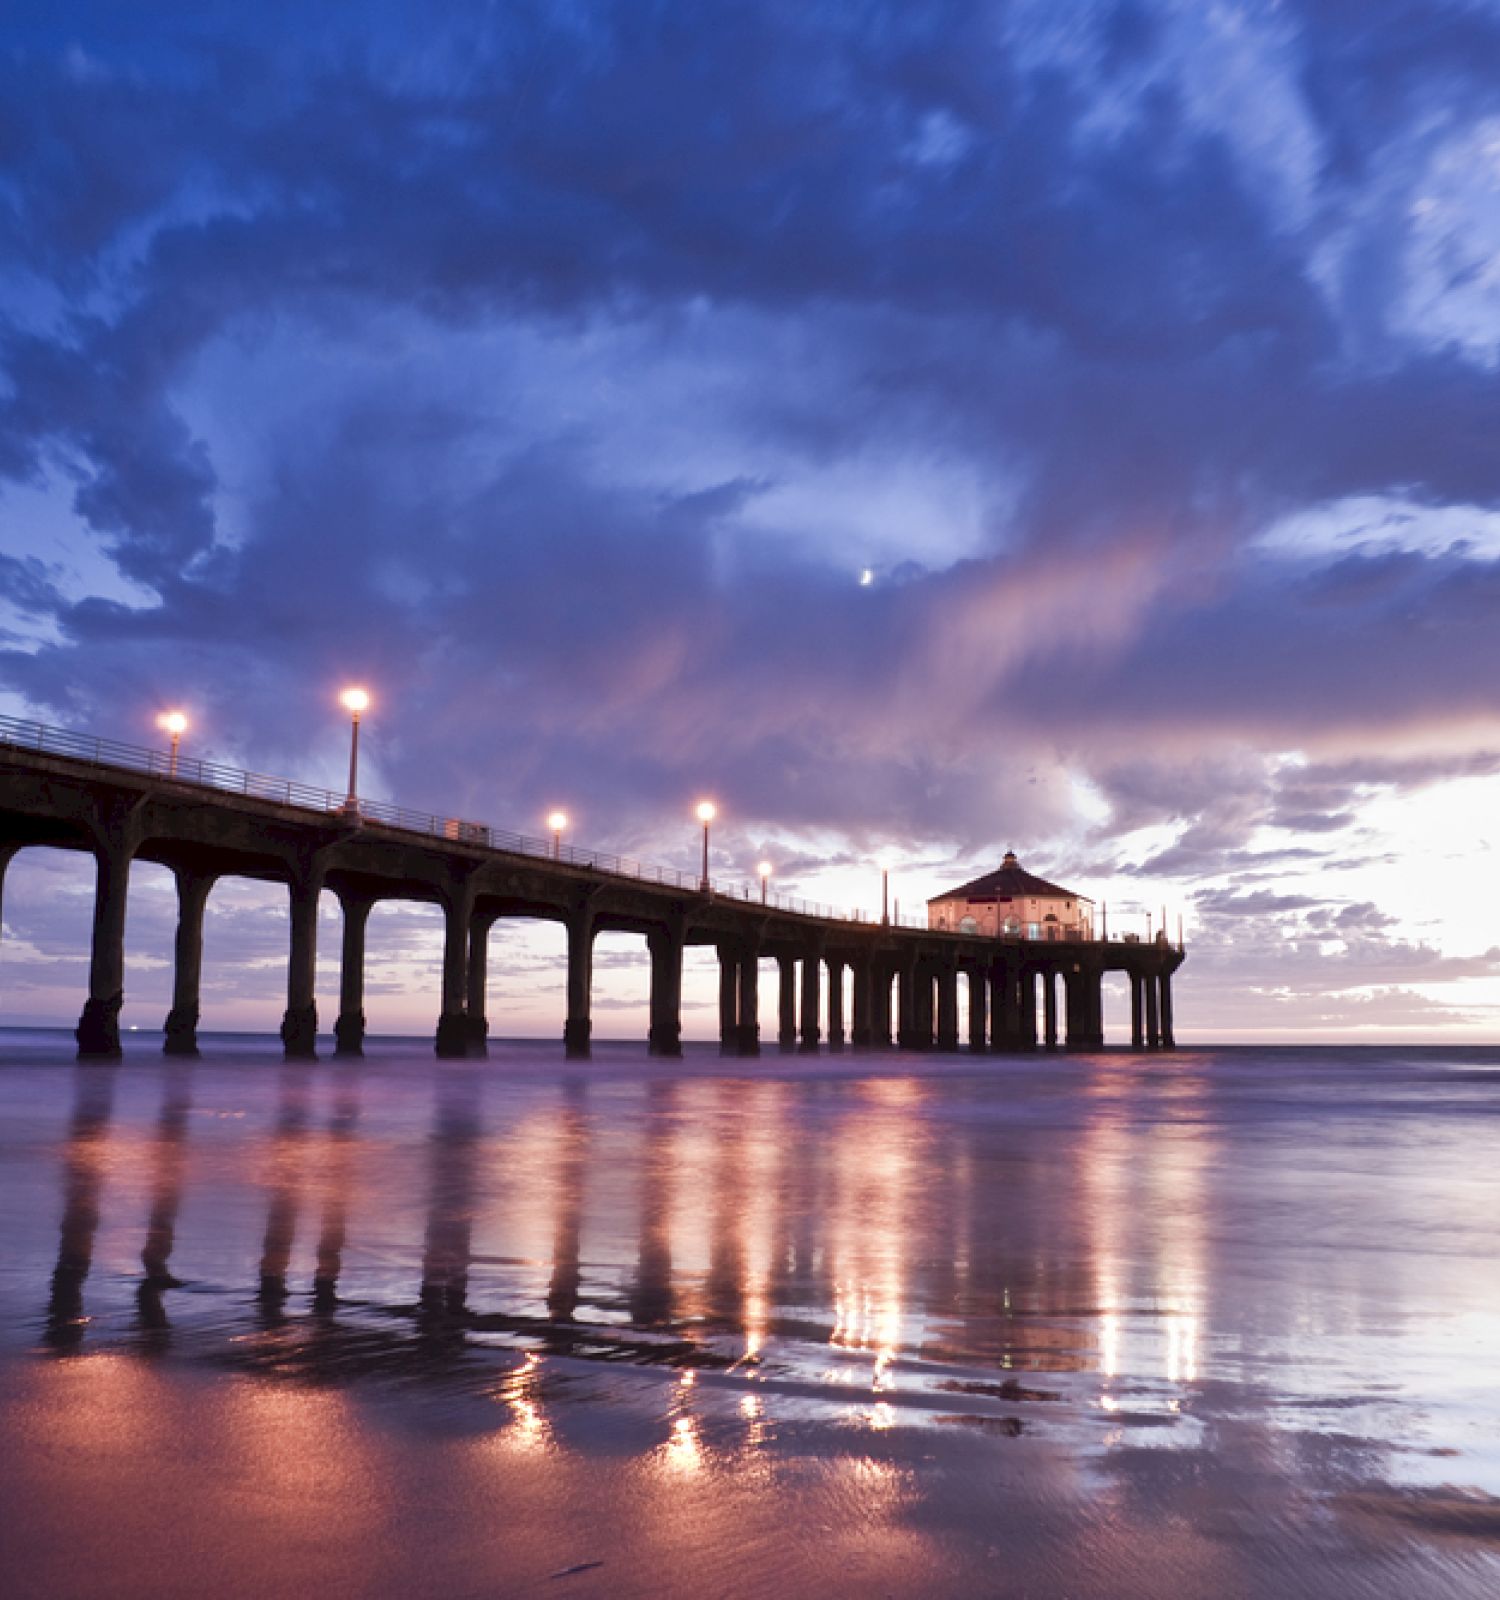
{"x": 1452, "y": 259}
{"x": 1381, "y": 525}
{"x": 645, "y": 404}
{"x": 1236, "y": 71}
{"x": 1443, "y": 884}
{"x": 38, "y": 521}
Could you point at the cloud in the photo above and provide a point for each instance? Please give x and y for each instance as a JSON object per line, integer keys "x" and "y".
{"x": 560, "y": 372}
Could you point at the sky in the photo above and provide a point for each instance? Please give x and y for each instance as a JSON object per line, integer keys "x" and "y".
{"x": 929, "y": 429}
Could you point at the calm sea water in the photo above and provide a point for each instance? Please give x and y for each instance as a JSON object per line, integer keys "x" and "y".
{"x": 1223, "y": 1323}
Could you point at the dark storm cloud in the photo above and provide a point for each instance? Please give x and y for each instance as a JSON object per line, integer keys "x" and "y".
{"x": 1047, "y": 249}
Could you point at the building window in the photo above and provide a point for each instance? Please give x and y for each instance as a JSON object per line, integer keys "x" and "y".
{"x": 968, "y": 925}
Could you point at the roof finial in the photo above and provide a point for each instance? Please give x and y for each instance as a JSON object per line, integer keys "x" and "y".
{"x": 1010, "y": 859}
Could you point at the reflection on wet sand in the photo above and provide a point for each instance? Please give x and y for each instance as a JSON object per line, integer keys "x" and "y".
{"x": 721, "y": 1266}
{"x": 651, "y": 1289}
{"x": 570, "y": 1182}
{"x": 452, "y": 1153}
{"x": 844, "y": 1228}
{"x": 284, "y": 1185}
{"x": 770, "y": 1220}
{"x": 167, "y": 1159}
{"x": 822, "y": 1239}
{"x": 338, "y": 1170}
{"x": 85, "y": 1157}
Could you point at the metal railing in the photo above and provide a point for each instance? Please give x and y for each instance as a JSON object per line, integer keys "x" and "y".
{"x": 223, "y": 779}
{"x": 289, "y": 792}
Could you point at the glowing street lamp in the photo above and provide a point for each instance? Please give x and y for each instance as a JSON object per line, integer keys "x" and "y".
{"x": 175, "y": 723}
{"x": 354, "y": 701}
{"x": 707, "y": 811}
{"x": 764, "y": 869}
{"x": 557, "y": 821}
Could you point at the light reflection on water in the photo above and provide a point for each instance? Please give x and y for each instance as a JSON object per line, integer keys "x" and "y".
{"x": 1251, "y": 1264}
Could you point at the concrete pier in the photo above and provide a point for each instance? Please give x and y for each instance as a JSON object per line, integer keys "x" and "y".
{"x": 349, "y": 1026}
{"x": 180, "y": 1032}
{"x": 205, "y": 834}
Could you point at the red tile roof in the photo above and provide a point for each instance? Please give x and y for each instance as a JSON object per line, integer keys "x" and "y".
{"x": 1010, "y": 880}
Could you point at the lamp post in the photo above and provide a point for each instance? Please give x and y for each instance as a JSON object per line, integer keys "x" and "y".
{"x": 175, "y": 723}
{"x": 354, "y": 701}
{"x": 764, "y": 869}
{"x": 885, "y": 896}
{"x": 557, "y": 821}
{"x": 707, "y": 811}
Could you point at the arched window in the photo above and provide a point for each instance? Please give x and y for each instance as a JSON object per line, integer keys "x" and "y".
{"x": 968, "y": 925}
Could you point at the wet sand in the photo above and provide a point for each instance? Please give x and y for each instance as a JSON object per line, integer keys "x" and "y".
{"x": 1222, "y": 1323}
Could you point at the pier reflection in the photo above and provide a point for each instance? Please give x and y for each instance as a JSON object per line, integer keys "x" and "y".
{"x": 645, "y": 1289}
{"x": 168, "y": 1155}
{"x": 338, "y": 1178}
{"x": 452, "y": 1193}
{"x": 860, "y": 1237}
{"x": 284, "y": 1185}
{"x": 85, "y": 1158}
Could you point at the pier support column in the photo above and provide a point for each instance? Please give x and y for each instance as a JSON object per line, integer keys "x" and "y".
{"x": 476, "y": 985}
{"x": 349, "y": 1028}
{"x": 578, "y": 1029}
{"x": 835, "y": 1004}
{"x": 729, "y": 1000}
{"x": 1137, "y": 1013}
{"x": 1005, "y": 1016}
{"x": 786, "y": 1003}
{"x": 665, "y": 1037}
{"x": 98, "y": 1031}
{"x": 906, "y": 1003}
{"x": 180, "y": 1035}
{"x": 1073, "y": 1024}
{"x": 1089, "y": 1022}
{"x": 812, "y": 998}
{"x": 1026, "y": 1035}
{"x": 978, "y": 1010}
{"x": 947, "y": 1008}
{"x": 451, "y": 1042}
{"x": 748, "y": 1033}
{"x": 7, "y": 855}
{"x": 1153, "y": 1016}
{"x": 926, "y": 1008}
{"x": 861, "y": 1035}
{"x": 887, "y": 998}
{"x": 1168, "y": 1040}
{"x": 299, "y": 1024}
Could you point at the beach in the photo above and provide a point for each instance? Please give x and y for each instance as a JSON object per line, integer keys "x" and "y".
{"x": 1220, "y": 1322}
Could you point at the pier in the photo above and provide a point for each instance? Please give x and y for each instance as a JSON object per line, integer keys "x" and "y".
{"x": 206, "y": 822}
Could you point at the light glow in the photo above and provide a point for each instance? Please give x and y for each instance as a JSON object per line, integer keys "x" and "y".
{"x": 557, "y": 820}
{"x": 355, "y": 700}
{"x": 707, "y": 811}
{"x": 173, "y": 722}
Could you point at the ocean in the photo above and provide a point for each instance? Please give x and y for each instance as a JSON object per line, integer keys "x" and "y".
{"x": 1211, "y": 1323}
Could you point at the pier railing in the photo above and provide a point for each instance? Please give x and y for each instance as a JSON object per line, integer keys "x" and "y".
{"x": 194, "y": 772}
{"x": 215, "y": 775}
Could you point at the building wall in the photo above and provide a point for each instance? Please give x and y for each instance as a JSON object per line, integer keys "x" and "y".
{"x": 1031, "y": 917}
